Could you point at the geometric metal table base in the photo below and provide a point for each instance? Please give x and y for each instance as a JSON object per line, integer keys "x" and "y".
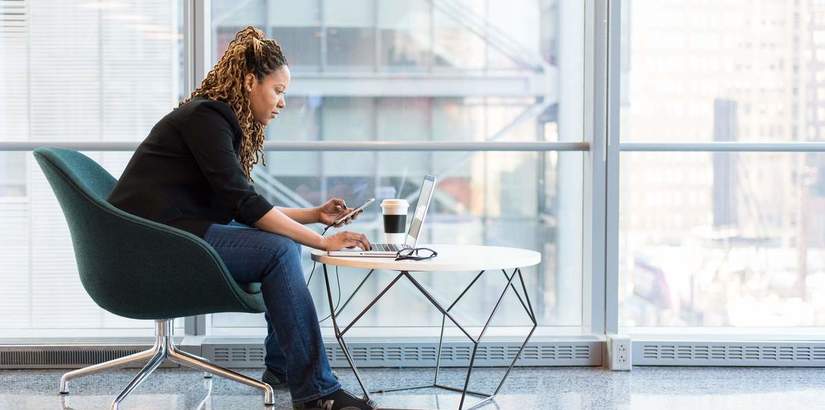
{"x": 445, "y": 314}
{"x": 163, "y": 349}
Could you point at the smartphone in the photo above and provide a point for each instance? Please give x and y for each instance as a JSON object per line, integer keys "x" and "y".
{"x": 360, "y": 208}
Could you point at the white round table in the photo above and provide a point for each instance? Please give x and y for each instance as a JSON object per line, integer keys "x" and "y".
{"x": 450, "y": 258}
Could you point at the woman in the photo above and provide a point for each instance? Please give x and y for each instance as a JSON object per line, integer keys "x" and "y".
{"x": 193, "y": 172}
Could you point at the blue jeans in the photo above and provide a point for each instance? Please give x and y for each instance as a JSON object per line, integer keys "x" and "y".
{"x": 294, "y": 346}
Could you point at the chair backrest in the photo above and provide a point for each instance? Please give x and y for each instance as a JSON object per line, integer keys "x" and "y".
{"x": 132, "y": 266}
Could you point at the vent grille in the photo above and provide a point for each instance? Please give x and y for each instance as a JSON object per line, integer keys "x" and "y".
{"x": 424, "y": 355}
{"x": 728, "y": 354}
{"x": 373, "y": 354}
{"x": 391, "y": 354}
{"x": 65, "y": 357}
{"x": 238, "y": 353}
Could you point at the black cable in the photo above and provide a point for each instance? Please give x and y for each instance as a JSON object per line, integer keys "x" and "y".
{"x": 337, "y": 280}
{"x": 311, "y": 272}
{"x": 338, "y": 301}
{"x": 314, "y": 262}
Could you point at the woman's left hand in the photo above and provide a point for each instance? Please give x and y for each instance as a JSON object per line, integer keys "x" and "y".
{"x": 333, "y": 209}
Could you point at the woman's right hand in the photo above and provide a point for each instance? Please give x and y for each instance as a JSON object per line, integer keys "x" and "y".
{"x": 346, "y": 239}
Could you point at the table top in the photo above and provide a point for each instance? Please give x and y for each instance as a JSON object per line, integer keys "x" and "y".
{"x": 450, "y": 258}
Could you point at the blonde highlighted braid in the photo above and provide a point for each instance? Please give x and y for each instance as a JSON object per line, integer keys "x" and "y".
{"x": 249, "y": 52}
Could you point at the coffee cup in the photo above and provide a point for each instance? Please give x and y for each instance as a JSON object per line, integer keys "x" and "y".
{"x": 395, "y": 220}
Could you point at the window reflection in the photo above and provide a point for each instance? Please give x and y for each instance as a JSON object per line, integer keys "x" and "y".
{"x": 431, "y": 71}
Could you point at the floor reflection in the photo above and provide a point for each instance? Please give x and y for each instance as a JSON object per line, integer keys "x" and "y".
{"x": 527, "y": 388}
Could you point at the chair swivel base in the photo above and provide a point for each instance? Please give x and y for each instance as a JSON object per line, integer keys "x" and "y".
{"x": 162, "y": 350}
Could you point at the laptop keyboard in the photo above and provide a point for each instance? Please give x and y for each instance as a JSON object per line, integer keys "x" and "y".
{"x": 387, "y": 247}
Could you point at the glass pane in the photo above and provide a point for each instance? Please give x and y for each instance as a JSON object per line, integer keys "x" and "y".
{"x": 405, "y": 35}
{"x": 350, "y": 48}
{"x": 455, "y": 46}
{"x": 421, "y": 71}
{"x": 350, "y": 34}
{"x": 524, "y": 25}
{"x": 722, "y": 239}
{"x": 303, "y": 45}
{"x": 296, "y": 27}
{"x": 501, "y": 199}
{"x": 81, "y": 71}
{"x": 74, "y": 71}
{"x": 228, "y": 19}
{"x": 518, "y": 66}
{"x": 41, "y": 287}
{"x": 348, "y": 119}
{"x": 12, "y": 175}
{"x": 726, "y": 71}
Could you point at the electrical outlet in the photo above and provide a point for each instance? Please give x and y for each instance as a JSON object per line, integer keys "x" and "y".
{"x": 619, "y": 352}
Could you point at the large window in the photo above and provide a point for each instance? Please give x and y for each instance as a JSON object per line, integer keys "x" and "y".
{"x": 725, "y": 239}
{"x": 710, "y": 224}
{"x": 432, "y": 71}
{"x": 72, "y": 71}
{"x": 710, "y": 238}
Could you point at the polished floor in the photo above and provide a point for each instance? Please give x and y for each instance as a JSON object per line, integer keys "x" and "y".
{"x": 670, "y": 388}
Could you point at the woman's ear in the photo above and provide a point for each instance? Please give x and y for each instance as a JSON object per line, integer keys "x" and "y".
{"x": 249, "y": 81}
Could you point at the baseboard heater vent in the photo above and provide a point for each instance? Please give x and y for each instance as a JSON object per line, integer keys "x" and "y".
{"x": 397, "y": 354}
{"x": 368, "y": 354}
{"x": 65, "y": 357}
{"x": 798, "y": 354}
{"x": 374, "y": 354}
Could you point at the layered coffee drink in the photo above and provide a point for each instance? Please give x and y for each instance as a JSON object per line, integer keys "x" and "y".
{"x": 395, "y": 220}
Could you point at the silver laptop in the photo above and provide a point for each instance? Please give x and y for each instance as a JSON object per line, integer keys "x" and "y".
{"x": 389, "y": 250}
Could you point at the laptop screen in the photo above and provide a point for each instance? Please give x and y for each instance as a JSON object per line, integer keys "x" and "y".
{"x": 424, "y": 197}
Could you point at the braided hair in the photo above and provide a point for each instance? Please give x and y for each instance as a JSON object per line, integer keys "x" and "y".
{"x": 249, "y": 52}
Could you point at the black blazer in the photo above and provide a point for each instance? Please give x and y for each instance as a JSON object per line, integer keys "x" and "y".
{"x": 187, "y": 172}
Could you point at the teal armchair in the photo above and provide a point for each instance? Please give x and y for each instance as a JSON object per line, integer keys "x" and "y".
{"x": 140, "y": 269}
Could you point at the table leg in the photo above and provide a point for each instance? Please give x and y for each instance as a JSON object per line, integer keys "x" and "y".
{"x": 443, "y": 322}
{"x": 481, "y": 335}
{"x": 370, "y": 305}
{"x": 475, "y": 342}
{"x": 485, "y": 398}
{"x": 532, "y": 314}
{"x": 357, "y": 288}
{"x": 339, "y": 337}
{"x": 518, "y": 295}
{"x": 525, "y": 303}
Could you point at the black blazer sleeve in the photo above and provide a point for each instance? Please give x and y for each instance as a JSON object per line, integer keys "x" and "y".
{"x": 209, "y": 136}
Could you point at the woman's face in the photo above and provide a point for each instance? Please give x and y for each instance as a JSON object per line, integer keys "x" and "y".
{"x": 267, "y": 96}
